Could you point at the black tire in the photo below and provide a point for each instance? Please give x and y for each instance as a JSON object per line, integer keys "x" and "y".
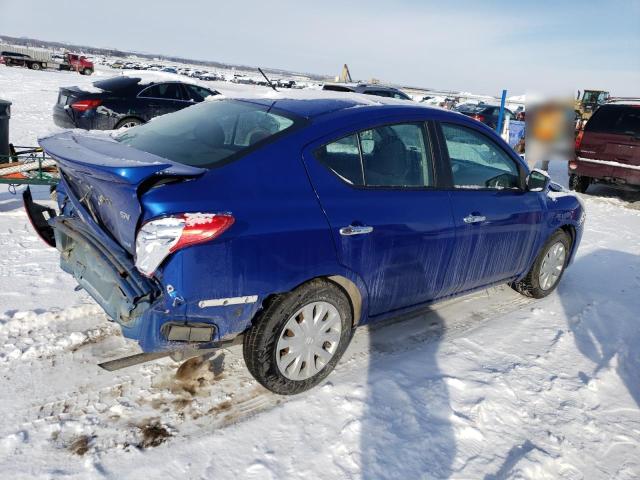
{"x": 129, "y": 122}
{"x": 530, "y": 284}
{"x": 260, "y": 341}
{"x": 578, "y": 183}
{"x": 87, "y": 71}
{"x": 35, "y": 66}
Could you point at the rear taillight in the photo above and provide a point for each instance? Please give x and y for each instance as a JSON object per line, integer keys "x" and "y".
{"x": 478, "y": 117}
{"x": 579, "y": 139}
{"x": 84, "y": 105}
{"x": 157, "y": 239}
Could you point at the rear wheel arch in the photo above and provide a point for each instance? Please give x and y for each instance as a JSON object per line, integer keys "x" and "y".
{"x": 348, "y": 286}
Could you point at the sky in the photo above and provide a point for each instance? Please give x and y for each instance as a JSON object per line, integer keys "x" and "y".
{"x": 552, "y": 47}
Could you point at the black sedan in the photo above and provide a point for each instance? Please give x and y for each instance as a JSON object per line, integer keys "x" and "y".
{"x": 123, "y": 102}
{"x": 484, "y": 113}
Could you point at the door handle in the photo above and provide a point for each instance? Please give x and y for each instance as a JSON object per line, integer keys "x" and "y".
{"x": 355, "y": 230}
{"x": 474, "y": 219}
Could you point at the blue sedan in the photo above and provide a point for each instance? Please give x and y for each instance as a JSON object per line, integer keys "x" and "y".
{"x": 286, "y": 222}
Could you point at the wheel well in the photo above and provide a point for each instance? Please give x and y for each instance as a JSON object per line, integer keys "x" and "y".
{"x": 353, "y": 293}
{"x": 571, "y": 231}
{"x": 349, "y": 288}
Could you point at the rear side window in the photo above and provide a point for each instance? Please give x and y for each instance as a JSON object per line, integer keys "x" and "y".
{"x": 168, "y": 91}
{"x": 209, "y": 133}
{"x": 477, "y": 162}
{"x": 618, "y": 119}
{"x": 389, "y": 156}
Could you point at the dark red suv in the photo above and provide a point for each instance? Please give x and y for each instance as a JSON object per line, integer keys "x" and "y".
{"x": 608, "y": 149}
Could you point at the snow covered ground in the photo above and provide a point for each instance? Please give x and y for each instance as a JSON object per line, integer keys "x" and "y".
{"x": 493, "y": 385}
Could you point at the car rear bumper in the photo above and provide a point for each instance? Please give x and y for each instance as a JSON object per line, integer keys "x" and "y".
{"x": 151, "y": 311}
{"x": 610, "y": 171}
{"x": 62, "y": 117}
{"x": 90, "y": 120}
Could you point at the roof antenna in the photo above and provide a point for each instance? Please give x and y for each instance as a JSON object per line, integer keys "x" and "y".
{"x": 267, "y": 79}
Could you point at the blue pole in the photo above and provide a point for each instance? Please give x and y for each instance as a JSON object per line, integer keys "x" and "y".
{"x": 501, "y": 115}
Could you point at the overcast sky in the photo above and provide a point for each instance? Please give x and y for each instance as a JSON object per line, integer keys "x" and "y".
{"x": 544, "y": 46}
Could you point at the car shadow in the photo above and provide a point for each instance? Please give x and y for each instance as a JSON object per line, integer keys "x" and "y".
{"x": 601, "y": 303}
{"x": 630, "y": 195}
{"x": 406, "y": 424}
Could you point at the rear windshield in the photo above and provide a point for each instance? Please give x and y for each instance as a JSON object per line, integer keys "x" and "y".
{"x": 116, "y": 83}
{"x": 337, "y": 88}
{"x": 619, "y": 119}
{"x": 210, "y": 133}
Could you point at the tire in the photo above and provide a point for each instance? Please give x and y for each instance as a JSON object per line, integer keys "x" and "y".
{"x": 578, "y": 183}
{"x": 87, "y": 71}
{"x": 35, "y": 66}
{"x": 129, "y": 122}
{"x": 263, "y": 349}
{"x": 533, "y": 284}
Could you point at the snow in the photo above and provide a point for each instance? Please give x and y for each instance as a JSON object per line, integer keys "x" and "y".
{"x": 492, "y": 385}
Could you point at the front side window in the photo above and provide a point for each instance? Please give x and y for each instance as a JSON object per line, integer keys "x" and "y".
{"x": 389, "y": 156}
{"x": 477, "y": 162}
{"x": 198, "y": 94}
{"x": 208, "y": 133}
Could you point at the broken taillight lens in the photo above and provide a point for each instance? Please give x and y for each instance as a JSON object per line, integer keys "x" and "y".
{"x": 158, "y": 238}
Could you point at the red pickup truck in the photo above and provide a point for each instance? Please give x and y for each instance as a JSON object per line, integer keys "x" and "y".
{"x": 608, "y": 149}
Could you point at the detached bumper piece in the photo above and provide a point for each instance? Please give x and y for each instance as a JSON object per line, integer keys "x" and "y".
{"x": 39, "y": 216}
{"x": 178, "y": 354}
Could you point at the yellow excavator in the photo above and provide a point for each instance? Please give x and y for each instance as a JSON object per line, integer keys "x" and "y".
{"x": 587, "y": 102}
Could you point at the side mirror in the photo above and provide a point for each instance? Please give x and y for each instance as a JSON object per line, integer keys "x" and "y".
{"x": 538, "y": 180}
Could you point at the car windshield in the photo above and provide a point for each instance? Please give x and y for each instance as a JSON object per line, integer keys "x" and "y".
{"x": 207, "y": 134}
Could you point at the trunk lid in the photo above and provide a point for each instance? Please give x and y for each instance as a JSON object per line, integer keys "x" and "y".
{"x": 106, "y": 177}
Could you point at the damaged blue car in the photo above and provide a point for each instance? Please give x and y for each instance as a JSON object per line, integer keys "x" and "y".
{"x": 284, "y": 222}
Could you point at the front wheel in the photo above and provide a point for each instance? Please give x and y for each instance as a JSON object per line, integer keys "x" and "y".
{"x": 87, "y": 71}
{"x": 299, "y": 337}
{"x": 35, "y": 66}
{"x": 547, "y": 269}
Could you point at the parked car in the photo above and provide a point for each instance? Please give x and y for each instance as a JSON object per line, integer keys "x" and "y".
{"x": 292, "y": 220}
{"x": 484, "y": 113}
{"x": 608, "y": 149}
{"x": 124, "y": 101}
{"x": 375, "y": 89}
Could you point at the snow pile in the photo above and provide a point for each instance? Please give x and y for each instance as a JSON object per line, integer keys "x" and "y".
{"x": 492, "y": 385}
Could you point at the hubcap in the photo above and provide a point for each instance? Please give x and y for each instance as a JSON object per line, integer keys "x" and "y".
{"x": 552, "y": 265}
{"x": 308, "y": 341}
{"x": 129, "y": 124}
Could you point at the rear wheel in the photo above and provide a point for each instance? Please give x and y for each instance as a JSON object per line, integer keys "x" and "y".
{"x": 129, "y": 122}
{"x": 578, "y": 183}
{"x": 299, "y": 338}
{"x": 35, "y": 66}
{"x": 547, "y": 270}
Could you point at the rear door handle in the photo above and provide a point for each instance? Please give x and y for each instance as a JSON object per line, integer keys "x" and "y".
{"x": 355, "y": 230}
{"x": 474, "y": 218}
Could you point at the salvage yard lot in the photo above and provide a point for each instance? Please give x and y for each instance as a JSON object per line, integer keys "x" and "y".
{"x": 491, "y": 384}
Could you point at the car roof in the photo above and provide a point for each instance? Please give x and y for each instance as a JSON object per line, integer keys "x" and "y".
{"x": 313, "y": 103}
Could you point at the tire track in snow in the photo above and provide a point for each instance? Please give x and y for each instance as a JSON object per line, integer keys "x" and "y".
{"x": 208, "y": 400}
